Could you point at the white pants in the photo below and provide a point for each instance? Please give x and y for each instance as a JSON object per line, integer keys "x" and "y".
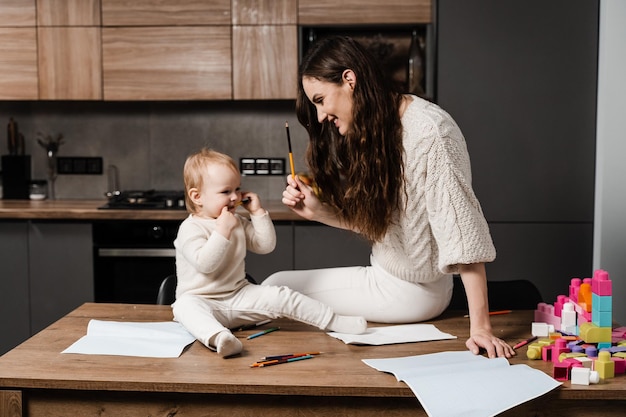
{"x": 370, "y": 292}
{"x": 205, "y": 317}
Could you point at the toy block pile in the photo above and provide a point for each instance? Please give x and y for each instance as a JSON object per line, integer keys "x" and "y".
{"x": 576, "y": 333}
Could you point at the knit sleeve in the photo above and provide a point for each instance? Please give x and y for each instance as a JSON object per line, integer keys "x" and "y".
{"x": 455, "y": 215}
{"x": 260, "y": 233}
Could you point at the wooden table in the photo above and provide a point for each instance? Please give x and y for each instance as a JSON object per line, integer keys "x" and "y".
{"x": 37, "y": 380}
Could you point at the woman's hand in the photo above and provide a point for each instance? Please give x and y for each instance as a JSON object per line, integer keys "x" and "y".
{"x": 300, "y": 198}
{"x": 474, "y": 279}
{"x": 494, "y": 346}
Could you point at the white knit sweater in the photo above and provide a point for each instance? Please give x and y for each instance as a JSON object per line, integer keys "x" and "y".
{"x": 208, "y": 264}
{"x": 442, "y": 224}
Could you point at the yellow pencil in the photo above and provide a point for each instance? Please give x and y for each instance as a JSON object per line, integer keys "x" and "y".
{"x": 293, "y": 172}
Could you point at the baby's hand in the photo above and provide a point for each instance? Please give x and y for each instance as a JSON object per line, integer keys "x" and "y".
{"x": 225, "y": 223}
{"x": 253, "y": 204}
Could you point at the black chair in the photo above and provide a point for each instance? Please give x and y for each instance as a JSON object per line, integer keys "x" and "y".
{"x": 518, "y": 294}
{"x": 167, "y": 290}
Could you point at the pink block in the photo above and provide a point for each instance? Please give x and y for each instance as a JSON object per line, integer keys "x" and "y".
{"x": 620, "y": 364}
{"x": 601, "y": 284}
{"x": 574, "y": 287}
{"x": 560, "y": 346}
{"x": 561, "y": 371}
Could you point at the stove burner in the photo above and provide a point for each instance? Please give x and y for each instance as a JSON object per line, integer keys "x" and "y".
{"x": 146, "y": 200}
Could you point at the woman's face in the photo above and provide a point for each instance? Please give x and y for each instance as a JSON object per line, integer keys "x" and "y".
{"x": 333, "y": 102}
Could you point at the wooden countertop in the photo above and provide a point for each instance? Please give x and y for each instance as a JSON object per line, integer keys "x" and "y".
{"x": 88, "y": 210}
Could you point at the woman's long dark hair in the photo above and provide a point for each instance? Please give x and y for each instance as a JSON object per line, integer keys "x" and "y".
{"x": 359, "y": 174}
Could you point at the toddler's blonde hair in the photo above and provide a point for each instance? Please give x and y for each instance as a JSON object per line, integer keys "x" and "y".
{"x": 194, "y": 172}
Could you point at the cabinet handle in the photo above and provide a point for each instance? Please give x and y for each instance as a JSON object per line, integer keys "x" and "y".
{"x": 137, "y": 253}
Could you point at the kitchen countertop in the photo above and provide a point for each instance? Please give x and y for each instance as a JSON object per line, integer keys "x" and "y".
{"x": 88, "y": 210}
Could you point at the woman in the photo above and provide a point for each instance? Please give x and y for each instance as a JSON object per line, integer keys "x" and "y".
{"x": 395, "y": 169}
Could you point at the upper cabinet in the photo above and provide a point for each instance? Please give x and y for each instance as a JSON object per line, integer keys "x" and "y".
{"x": 360, "y": 12}
{"x": 18, "y": 50}
{"x": 69, "y": 56}
{"x": 265, "y": 49}
{"x": 155, "y": 50}
{"x": 170, "y": 50}
{"x": 165, "y": 13}
{"x": 167, "y": 63}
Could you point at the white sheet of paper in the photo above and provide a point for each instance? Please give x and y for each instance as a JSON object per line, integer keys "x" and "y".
{"x": 404, "y": 333}
{"x": 482, "y": 387}
{"x": 146, "y": 339}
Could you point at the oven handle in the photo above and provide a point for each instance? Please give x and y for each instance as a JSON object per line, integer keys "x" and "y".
{"x": 136, "y": 253}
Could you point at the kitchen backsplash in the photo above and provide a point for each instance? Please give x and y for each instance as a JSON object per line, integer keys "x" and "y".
{"x": 149, "y": 141}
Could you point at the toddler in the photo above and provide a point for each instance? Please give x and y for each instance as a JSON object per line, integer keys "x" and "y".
{"x": 213, "y": 294}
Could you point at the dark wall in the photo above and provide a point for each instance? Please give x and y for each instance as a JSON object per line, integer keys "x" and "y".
{"x": 520, "y": 80}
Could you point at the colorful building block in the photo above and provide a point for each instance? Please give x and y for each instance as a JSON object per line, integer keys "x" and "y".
{"x": 604, "y": 365}
{"x": 584, "y": 376}
{"x": 601, "y": 283}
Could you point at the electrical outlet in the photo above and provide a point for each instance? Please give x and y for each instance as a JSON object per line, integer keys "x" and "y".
{"x": 79, "y": 165}
{"x": 262, "y": 166}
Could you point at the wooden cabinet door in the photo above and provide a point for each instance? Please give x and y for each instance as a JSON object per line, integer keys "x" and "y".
{"x": 18, "y": 63}
{"x": 265, "y": 12}
{"x": 70, "y": 64}
{"x": 167, "y": 63}
{"x": 265, "y": 49}
{"x": 68, "y": 12}
{"x": 327, "y": 12}
{"x": 165, "y": 13}
{"x": 17, "y": 13}
{"x": 265, "y": 62}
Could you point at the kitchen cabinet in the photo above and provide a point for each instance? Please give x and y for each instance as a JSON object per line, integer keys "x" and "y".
{"x": 360, "y": 12}
{"x": 70, "y": 63}
{"x": 14, "y": 289}
{"x": 281, "y": 259}
{"x": 45, "y": 272}
{"x": 265, "y": 49}
{"x": 167, "y": 63}
{"x": 524, "y": 97}
{"x": 153, "y": 50}
{"x": 69, "y": 55}
{"x": 68, "y": 12}
{"x": 165, "y": 13}
{"x": 18, "y": 50}
{"x": 307, "y": 245}
{"x": 321, "y": 246}
{"x": 60, "y": 270}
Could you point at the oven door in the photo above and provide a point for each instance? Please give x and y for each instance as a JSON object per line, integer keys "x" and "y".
{"x": 132, "y": 259}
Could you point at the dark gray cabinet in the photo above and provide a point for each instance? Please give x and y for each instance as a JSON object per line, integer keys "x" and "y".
{"x": 61, "y": 270}
{"x": 321, "y": 246}
{"x": 46, "y": 271}
{"x": 14, "y": 288}
{"x": 281, "y": 259}
{"x": 520, "y": 80}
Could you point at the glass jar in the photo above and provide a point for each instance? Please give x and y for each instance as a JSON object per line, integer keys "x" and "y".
{"x": 38, "y": 189}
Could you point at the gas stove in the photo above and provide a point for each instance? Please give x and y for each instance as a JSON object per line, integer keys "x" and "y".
{"x": 146, "y": 200}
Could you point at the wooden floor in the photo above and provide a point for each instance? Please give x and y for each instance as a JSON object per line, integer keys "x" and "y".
{"x": 37, "y": 380}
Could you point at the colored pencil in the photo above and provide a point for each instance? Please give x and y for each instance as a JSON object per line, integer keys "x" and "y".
{"x": 273, "y": 329}
{"x": 525, "y": 342}
{"x": 252, "y": 325}
{"x": 293, "y": 172}
{"x": 495, "y": 313}
{"x": 288, "y": 355}
{"x": 279, "y": 361}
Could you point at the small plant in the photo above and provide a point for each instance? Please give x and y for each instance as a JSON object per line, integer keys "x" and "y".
{"x": 51, "y": 145}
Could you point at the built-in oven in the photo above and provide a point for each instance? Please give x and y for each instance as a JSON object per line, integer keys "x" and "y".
{"x": 131, "y": 258}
